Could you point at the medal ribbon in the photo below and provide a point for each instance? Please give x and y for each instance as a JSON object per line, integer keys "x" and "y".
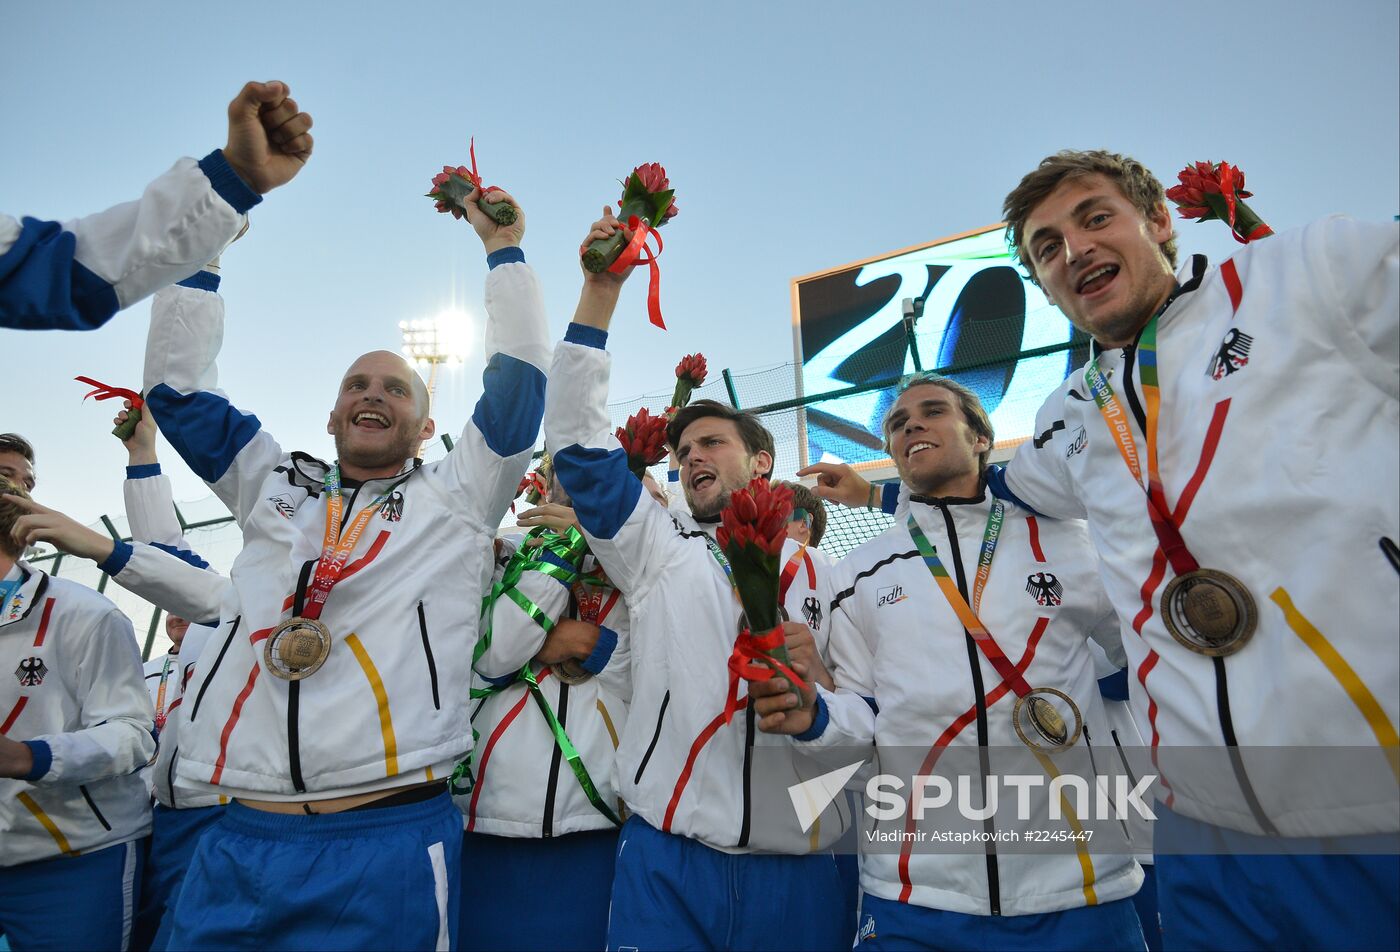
{"x": 570, "y": 547}
{"x": 160, "y": 692}
{"x": 1168, "y": 534}
{"x": 336, "y": 548}
{"x": 790, "y": 571}
{"x": 632, "y": 255}
{"x": 966, "y": 613}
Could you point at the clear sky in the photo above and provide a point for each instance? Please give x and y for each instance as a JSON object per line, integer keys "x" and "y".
{"x": 799, "y": 136}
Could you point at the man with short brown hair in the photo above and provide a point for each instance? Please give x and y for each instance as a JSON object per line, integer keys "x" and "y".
{"x": 1233, "y": 446}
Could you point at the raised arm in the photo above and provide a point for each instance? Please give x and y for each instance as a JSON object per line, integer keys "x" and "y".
{"x": 76, "y": 275}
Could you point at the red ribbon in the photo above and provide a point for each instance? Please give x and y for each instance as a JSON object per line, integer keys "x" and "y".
{"x": 631, "y": 255}
{"x": 107, "y": 392}
{"x": 475, "y": 176}
{"x": 750, "y": 661}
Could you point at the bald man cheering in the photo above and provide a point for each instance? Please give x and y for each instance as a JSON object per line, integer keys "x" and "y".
{"x": 332, "y": 703}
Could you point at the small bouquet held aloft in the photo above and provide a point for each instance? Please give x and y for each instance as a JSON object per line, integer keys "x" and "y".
{"x": 1215, "y": 190}
{"x": 124, "y": 430}
{"x": 534, "y": 485}
{"x": 690, "y": 373}
{"x": 752, "y": 530}
{"x": 647, "y": 203}
{"x": 451, "y": 187}
{"x": 643, "y": 439}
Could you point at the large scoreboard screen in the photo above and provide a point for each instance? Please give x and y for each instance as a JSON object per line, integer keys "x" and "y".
{"x": 977, "y": 319}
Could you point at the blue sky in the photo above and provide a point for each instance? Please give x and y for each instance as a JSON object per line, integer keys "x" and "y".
{"x": 799, "y": 136}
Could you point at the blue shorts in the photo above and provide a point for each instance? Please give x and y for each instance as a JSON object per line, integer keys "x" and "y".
{"x": 536, "y": 893}
{"x": 174, "y": 835}
{"x": 72, "y": 902}
{"x": 672, "y": 892}
{"x": 1342, "y": 900}
{"x": 368, "y": 878}
{"x": 889, "y": 924}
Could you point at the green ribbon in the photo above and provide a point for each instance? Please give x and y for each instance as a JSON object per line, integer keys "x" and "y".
{"x": 569, "y": 547}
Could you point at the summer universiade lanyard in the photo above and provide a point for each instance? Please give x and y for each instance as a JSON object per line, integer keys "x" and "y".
{"x": 571, "y": 547}
{"x": 1168, "y": 534}
{"x": 336, "y": 547}
{"x": 790, "y": 572}
{"x": 160, "y": 693}
{"x": 7, "y": 591}
{"x": 967, "y": 614}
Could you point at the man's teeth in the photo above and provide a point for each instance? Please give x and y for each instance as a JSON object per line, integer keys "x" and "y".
{"x": 698, "y": 481}
{"x": 1107, "y": 270}
{"x": 917, "y": 447}
{"x": 369, "y": 417}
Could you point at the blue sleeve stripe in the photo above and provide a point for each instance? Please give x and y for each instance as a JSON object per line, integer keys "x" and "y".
{"x": 552, "y": 559}
{"x": 501, "y": 681}
{"x": 226, "y": 182}
{"x": 144, "y": 471}
{"x": 43, "y": 287}
{"x": 820, "y": 718}
{"x": 604, "y": 491}
{"x": 201, "y": 281}
{"x": 874, "y": 706}
{"x": 889, "y": 497}
{"x": 996, "y": 482}
{"x": 511, "y": 255}
{"x": 184, "y": 555}
{"x": 1114, "y": 687}
{"x": 43, "y": 759}
{"x": 602, "y": 651}
{"x": 206, "y": 430}
{"x": 511, "y": 405}
{"x": 114, "y": 563}
{"x": 577, "y": 333}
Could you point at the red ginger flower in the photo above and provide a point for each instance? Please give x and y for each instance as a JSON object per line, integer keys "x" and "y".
{"x": 1211, "y": 190}
{"x": 643, "y": 439}
{"x": 756, "y": 515}
{"x": 653, "y": 179}
{"x": 690, "y": 373}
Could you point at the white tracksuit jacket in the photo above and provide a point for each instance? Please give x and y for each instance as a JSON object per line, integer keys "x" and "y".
{"x": 76, "y": 275}
{"x": 522, "y": 785}
{"x": 684, "y": 619}
{"x": 389, "y": 707}
{"x": 150, "y": 512}
{"x": 1299, "y": 503}
{"x": 899, "y": 649}
{"x": 71, "y": 687}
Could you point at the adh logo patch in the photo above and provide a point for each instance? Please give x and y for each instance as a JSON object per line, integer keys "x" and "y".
{"x": 1078, "y": 444}
{"x": 1232, "y": 356}
{"x": 283, "y": 505}
{"x": 1045, "y": 588}
{"x": 31, "y": 672}
{"x": 889, "y": 595}
{"x": 812, "y": 612}
{"x": 392, "y": 510}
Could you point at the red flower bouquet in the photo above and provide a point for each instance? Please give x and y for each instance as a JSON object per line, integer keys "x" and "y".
{"x": 643, "y": 439}
{"x": 752, "y": 530}
{"x": 452, "y": 186}
{"x": 1215, "y": 190}
{"x": 690, "y": 373}
{"x": 646, "y": 196}
{"x": 124, "y": 430}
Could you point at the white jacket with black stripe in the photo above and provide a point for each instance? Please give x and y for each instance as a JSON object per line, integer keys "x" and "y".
{"x": 908, "y": 675}
{"x": 684, "y": 618}
{"x": 72, "y": 690}
{"x": 389, "y": 707}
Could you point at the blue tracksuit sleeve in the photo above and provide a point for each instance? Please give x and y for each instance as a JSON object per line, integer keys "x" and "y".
{"x": 495, "y": 447}
{"x": 225, "y": 447}
{"x": 75, "y": 275}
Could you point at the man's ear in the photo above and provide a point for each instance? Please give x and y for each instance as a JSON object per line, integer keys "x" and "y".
{"x": 761, "y": 464}
{"x": 429, "y": 428}
{"x": 330, "y": 423}
{"x": 1159, "y": 223}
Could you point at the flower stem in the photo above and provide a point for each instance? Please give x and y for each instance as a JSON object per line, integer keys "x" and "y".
{"x": 602, "y": 252}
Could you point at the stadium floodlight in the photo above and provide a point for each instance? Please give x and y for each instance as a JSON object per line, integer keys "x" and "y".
{"x": 436, "y": 341}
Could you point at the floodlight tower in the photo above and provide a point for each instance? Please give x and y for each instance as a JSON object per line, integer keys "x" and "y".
{"x": 435, "y": 341}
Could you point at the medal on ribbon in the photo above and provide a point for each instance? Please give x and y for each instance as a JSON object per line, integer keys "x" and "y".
{"x": 1206, "y": 610}
{"x": 298, "y": 647}
{"x": 1045, "y": 719}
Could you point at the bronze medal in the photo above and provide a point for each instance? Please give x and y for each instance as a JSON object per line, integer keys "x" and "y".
{"x": 297, "y": 648}
{"x": 1041, "y": 726}
{"x": 1210, "y": 612}
{"x": 570, "y": 671}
